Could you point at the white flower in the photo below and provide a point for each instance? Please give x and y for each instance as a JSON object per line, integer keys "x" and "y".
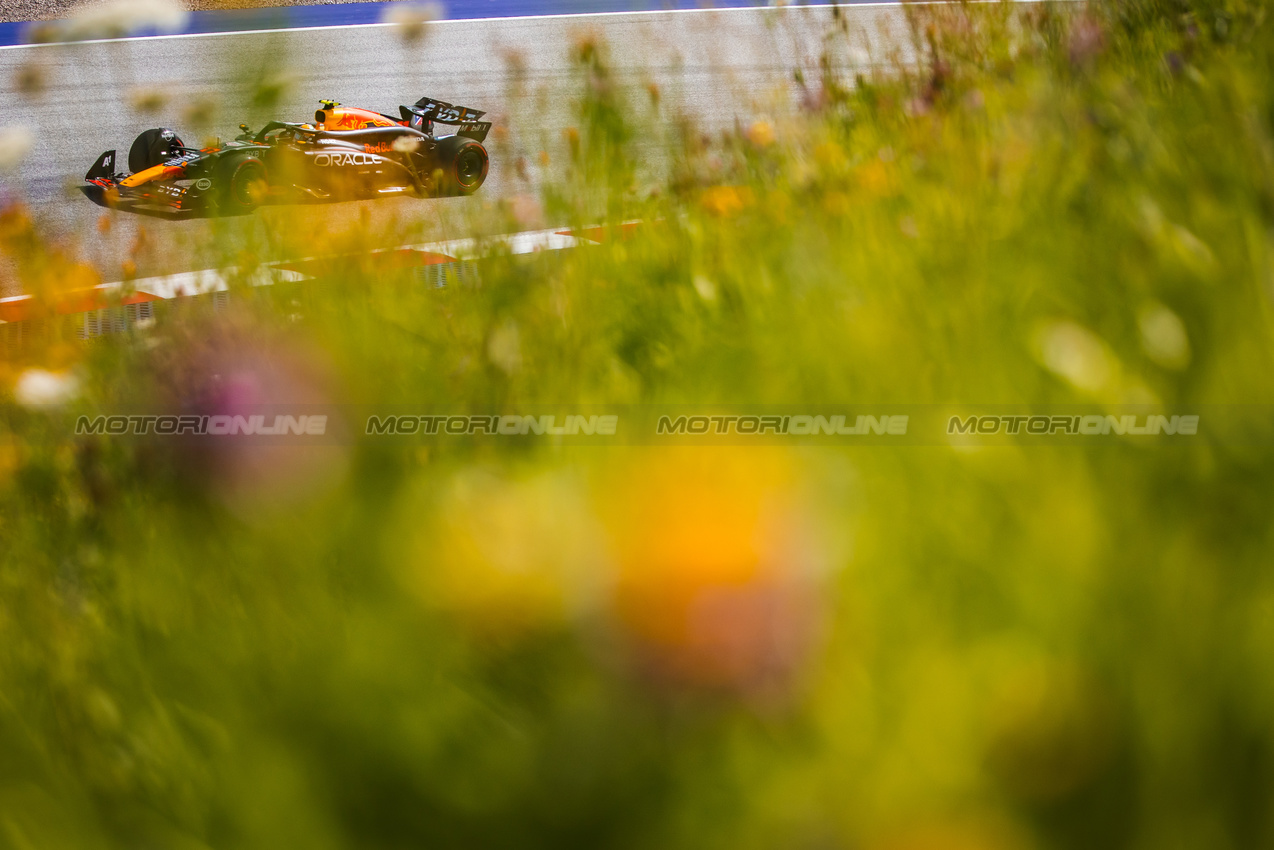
{"x": 406, "y": 144}
{"x": 40, "y": 388}
{"x": 1076, "y": 354}
{"x": 116, "y": 18}
{"x": 1163, "y": 336}
{"x": 504, "y": 348}
{"x": 15, "y": 144}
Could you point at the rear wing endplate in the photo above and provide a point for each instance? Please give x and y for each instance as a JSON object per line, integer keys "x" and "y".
{"x": 476, "y": 130}
{"x": 428, "y": 110}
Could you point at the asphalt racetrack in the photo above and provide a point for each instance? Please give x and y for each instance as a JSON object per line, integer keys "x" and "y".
{"x": 717, "y": 67}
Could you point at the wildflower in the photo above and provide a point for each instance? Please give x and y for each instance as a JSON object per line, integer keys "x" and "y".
{"x": 241, "y": 372}
{"x": 516, "y": 64}
{"x": 725, "y": 201}
{"x": 412, "y": 18}
{"x": 876, "y": 177}
{"x": 586, "y": 49}
{"x": 836, "y": 203}
{"x": 1086, "y": 40}
{"x": 31, "y": 79}
{"x": 829, "y": 156}
{"x": 8, "y": 459}
{"x": 985, "y": 831}
{"x": 406, "y": 144}
{"x": 917, "y": 107}
{"x": 1163, "y": 336}
{"x": 147, "y": 100}
{"x": 504, "y": 347}
{"x": 760, "y": 133}
{"x": 526, "y": 211}
{"x": 717, "y": 568}
{"x": 201, "y": 112}
{"x": 118, "y": 18}
{"x": 504, "y": 555}
{"x": 1075, "y": 354}
{"x": 15, "y": 143}
{"x": 271, "y": 88}
{"x": 40, "y": 388}
{"x": 1049, "y": 727}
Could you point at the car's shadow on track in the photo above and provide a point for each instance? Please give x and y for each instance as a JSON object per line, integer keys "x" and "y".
{"x": 97, "y": 195}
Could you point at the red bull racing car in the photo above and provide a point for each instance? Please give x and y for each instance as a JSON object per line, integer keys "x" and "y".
{"x": 346, "y": 154}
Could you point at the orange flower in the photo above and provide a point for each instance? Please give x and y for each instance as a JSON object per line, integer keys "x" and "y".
{"x": 726, "y": 201}
{"x": 716, "y": 566}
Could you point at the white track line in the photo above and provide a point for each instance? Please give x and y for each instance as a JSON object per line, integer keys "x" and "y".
{"x": 791, "y": 8}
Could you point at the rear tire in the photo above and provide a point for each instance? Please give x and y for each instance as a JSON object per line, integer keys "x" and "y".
{"x": 244, "y": 184}
{"x": 152, "y": 148}
{"x": 463, "y": 163}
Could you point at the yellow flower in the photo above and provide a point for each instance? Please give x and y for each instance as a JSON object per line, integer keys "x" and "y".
{"x": 726, "y": 201}
{"x": 876, "y": 178}
{"x": 504, "y": 555}
{"x": 761, "y": 134}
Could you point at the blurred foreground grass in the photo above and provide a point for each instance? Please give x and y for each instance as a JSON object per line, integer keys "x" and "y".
{"x": 483, "y": 643}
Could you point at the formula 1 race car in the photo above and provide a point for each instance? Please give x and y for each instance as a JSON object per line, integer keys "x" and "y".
{"x": 346, "y": 154}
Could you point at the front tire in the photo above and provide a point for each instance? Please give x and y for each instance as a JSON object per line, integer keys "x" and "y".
{"x": 244, "y": 184}
{"x": 463, "y": 163}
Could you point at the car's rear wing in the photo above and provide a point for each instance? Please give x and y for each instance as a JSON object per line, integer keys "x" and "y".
{"x": 427, "y": 110}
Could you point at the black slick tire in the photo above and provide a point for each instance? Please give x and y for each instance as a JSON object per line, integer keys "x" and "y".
{"x": 463, "y": 163}
{"x": 244, "y": 183}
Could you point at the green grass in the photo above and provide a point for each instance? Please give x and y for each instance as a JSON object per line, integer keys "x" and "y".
{"x": 480, "y": 643}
